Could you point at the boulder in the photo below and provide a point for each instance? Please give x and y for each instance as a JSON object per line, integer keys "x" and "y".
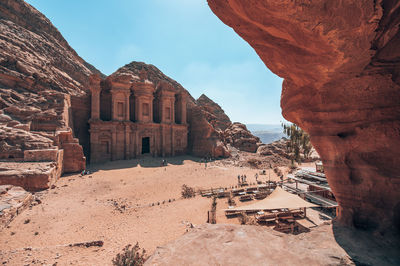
{"x": 239, "y": 137}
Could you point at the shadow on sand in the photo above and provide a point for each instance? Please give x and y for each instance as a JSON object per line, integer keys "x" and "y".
{"x": 368, "y": 248}
{"x": 144, "y": 161}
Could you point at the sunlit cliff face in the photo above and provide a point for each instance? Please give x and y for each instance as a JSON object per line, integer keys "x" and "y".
{"x": 342, "y": 85}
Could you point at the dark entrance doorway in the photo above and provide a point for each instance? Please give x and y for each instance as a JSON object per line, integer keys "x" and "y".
{"x": 145, "y": 145}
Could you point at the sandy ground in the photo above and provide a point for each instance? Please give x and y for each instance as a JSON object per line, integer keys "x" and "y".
{"x": 114, "y": 204}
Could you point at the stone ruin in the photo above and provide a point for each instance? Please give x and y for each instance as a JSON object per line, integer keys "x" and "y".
{"x": 132, "y": 116}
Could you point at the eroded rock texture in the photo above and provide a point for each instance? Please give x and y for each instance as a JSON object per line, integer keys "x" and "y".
{"x": 39, "y": 74}
{"x": 215, "y": 114}
{"x": 340, "y": 61}
{"x": 239, "y": 137}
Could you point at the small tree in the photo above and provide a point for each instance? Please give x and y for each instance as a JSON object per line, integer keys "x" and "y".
{"x": 298, "y": 141}
{"x": 130, "y": 256}
{"x": 187, "y": 192}
{"x": 243, "y": 218}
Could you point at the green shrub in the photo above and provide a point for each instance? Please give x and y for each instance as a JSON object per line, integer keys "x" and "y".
{"x": 130, "y": 256}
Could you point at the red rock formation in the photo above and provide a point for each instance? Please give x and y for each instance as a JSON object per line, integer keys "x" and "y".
{"x": 39, "y": 72}
{"x": 216, "y": 116}
{"x": 44, "y": 92}
{"x": 340, "y": 62}
{"x": 204, "y": 127}
{"x": 204, "y": 139}
{"x": 239, "y": 137}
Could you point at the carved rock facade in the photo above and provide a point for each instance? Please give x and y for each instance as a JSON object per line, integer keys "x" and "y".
{"x": 131, "y": 116}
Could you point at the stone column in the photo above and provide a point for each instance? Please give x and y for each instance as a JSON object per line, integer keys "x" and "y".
{"x": 172, "y": 141}
{"x": 138, "y": 109}
{"x": 127, "y": 142}
{"x": 114, "y": 144}
{"x": 151, "y": 109}
{"x": 137, "y": 144}
{"x": 127, "y": 117}
{"x": 95, "y": 91}
{"x": 182, "y": 106}
{"x": 162, "y": 110}
{"x": 172, "y": 103}
{"x": 94, "y": 144}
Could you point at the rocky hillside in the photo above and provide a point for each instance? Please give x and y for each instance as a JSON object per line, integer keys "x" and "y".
{"x": 215, "y": 114}
{"x": 45, "y": 101}
{"x": 239, "y": 137}
{"x": 40, "y": 76}
{"x": 341, "y": 69}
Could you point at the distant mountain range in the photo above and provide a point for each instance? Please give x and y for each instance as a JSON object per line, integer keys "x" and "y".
{"x": 267, "y": 133}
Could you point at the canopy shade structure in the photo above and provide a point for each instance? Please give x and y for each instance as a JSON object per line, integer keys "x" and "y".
{"x": 279, "y": 199}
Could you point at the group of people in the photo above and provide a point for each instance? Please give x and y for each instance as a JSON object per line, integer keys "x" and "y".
{"x": 85, "y": 172}
{"x": 242, "y": 178}
{"x": 205, "y": 160}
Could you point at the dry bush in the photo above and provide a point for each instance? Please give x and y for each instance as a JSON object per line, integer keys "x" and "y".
{"x": 278, "y": 171}
{"x": 243, "y": 218}
{"x": 187, "y": 192}
{"x": 130, "y": 256}
{"x": 292, "y": 167}
{"x": 231, "y": 201}
{"x": 212, "y": 215}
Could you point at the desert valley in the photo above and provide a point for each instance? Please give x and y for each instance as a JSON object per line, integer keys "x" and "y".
{"x": 92, "y": 164}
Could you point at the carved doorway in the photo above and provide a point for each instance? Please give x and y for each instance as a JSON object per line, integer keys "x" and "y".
{"x": 145, "y": 145}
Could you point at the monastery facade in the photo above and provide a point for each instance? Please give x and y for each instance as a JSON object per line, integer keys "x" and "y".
{"x": 134, "y": 117}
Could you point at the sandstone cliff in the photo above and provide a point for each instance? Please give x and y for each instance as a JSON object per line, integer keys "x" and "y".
{"x": 40, "y": 78}
{"x": 215, "y": 115}
{"x": 341, "y": 70}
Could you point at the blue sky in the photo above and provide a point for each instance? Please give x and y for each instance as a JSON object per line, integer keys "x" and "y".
{"x": 183, "y": 38}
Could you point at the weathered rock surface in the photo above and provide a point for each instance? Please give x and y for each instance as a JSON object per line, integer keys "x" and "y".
{"x": 204, "y": 138}
{"x": 215, "y": 114}
{"x": 39, "y": 73}
{"x": 13, "y": 200}
{"x": 249, "y": 245}
{"x": 341, "y": 69}
{"x": 279, "y": 148}
{"x": 32, "y": 176}
{"x": 239, "y": 137}
{"x": 254, "y": 245}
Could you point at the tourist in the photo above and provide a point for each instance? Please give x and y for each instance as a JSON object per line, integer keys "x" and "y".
{"x": 256, "y": 177}
{"x": 238, "y": 179}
